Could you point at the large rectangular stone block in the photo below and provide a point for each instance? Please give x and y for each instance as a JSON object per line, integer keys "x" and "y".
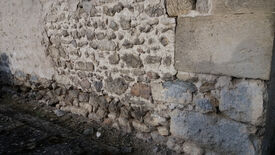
{"x": 241, "y": 6}
{"x": 235, "y": 45}
{"x": 221, "y": 135}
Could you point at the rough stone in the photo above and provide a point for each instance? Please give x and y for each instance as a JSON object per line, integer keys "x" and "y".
{"x": 111, "y": 36}
{"x": 106, "y": 45}
{"x": 117, "y": 85}
{"x": 163, "y": 131}
{"x": 179, "y": 7}
{"x": 158, "y": 138}
{"x": 90, "y": 35}
{"x": 65, "y": 33}
{"x": 108, "y": 11}
{"x": 113, "y": 25}
{"x": 167, "y": 61}
{"x": 85, "y": 84}
{"x": 98, "y": 85}
{"x": 173, "y": 91}
{"x": 114, "y": 59}
{"x": 59, "y": 113}
{"x": 132, "y": 60}
{"x": 138, "y": 112}
{"x": 86, "y": 106}
{"x": 75, "y": 110}
{"x": 73, "y": 94}
{"x": 140, "y": 126}
{"x": 153, "y": 59}
{"x": 88, "y": 131}
{"x": 164, "y": 41}
{"x": 113, "y": 107}
{"x": 152, "y": 75}
{"x": 94, "y": 117}
{"x": 141, "y": 90}
{"x": 83, "y": 97}
{"x": 226, "y": 44}
{"x": 245, "y": 102}
{"x": 101, "y": 113}
{"x": 127, "y": 44}
{"x": 168, "y": 77}
{"x": 173, "y": 144}
{"x": 100, "y": 36}
{"x": 207, "y": 86}
{"x": 204, "y": 105}
{"x": 118, "y": 7}
{"x": 125, "y": 124}
{"x": 212, "y": 132}
{"x": 125, "y": 23}
{"x": 138, "y": 41}
{"x": 93, "y": 11}
{"x": 154, "y": 120}
{"x": 84, "y": 66}
{"x": 154, "y": 10}
{"x": 192, "y": 149}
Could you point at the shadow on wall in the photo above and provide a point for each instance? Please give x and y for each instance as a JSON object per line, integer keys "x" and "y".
{"x": 5, "y": 72}
{"x": 269, "y": 138}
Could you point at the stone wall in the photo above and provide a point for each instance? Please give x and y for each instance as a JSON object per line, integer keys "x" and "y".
{"x": 114, "y": 61}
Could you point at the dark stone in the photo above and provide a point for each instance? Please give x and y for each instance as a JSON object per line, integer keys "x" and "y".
{"x": 85, "y": 84}
{"x": 164, "y": 41}
{"x": 178, "y": 87}
{"x": 113, "y": 25}
{"x": 125, "y": 23}
{"x": 65, "y": 33}
{"x": 113, "y": 106}
{"x": 83, "y": 97}
{"x": 118, "y": 7}
{"x": 127, "y": 44}
{"x": 132, "y": 60}
{"x": 93, "y": 11}
{"x": 98, "y": 85}
{"x": 167, "y": 61}
{"x": 204, "y": 105}
{"x": 138, "y": 41}
{"x": 153, "y": 59}
{"x": 168, "y": 77}
{"x": 141, "y": 90}
{"x": 117, "y": 86}
{"x": 207, "y": 86}
{"x": 100, "y": 36}
{"x": 154, "y": 11}
{"x": 114, "y": 59}
{"x": 152, "y": 75}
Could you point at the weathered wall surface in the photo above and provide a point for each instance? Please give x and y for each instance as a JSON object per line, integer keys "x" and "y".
{"x": 21, "y": 30}
{"x": 113, "y": 61}
{"x": 237, "y": 45}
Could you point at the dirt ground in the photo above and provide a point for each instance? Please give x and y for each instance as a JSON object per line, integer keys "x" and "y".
{"x": 30, "y": 127}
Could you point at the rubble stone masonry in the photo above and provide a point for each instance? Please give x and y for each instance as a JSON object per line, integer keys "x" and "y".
{"x": 132, "y": 65}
